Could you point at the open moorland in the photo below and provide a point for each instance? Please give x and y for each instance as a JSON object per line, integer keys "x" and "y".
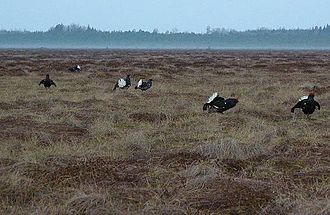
{"x": 81, "y": 148}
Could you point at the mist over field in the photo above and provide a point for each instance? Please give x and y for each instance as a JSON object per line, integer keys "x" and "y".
{"x": 75, "y": 36}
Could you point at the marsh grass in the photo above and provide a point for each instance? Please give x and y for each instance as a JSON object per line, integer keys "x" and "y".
{"x": 81, "y": 148}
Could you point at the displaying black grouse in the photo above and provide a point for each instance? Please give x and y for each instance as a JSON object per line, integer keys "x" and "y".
{"x": 123, "y": 83}
{"x": 47, "y": 82}
{"x": 219, "y": 104}
{"x": 307, "y": 104}
{"x": 75, "y": 69}
{"x": 144, "y": 85}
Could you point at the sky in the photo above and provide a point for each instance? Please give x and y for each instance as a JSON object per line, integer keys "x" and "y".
{"x": 183, "y": 15}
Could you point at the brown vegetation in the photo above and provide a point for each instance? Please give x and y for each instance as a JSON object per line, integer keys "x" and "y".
{"x": 80, "y": 148}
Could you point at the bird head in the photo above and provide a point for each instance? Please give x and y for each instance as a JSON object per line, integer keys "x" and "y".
{"x": 47, "y": 76}
{"x": 206, "y": 106}
{"x": 311, "y": 94}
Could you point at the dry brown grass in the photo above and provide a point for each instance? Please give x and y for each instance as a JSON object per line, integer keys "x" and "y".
{"x": 82, "y": 149}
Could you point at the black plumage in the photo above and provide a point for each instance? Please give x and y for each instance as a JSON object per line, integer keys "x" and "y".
{"x": 144, "y": 85}
{"x": 123, "y": 83}
{"x": 47, "y": 82}
{"x": 75, "y": 69}
{"x": 308, "y": 105}
{"x": 219, "y": 104}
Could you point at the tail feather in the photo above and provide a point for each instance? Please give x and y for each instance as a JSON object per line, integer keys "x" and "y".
{"x": 211, "y": 98}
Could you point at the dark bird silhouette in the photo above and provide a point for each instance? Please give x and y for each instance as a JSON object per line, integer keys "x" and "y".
{"x": 307, "y": 104}
{"x": 47, "y": 82}
{"x": 219, "y": 104}
{"x": 144, "y": 85}
{"x": 75, "y": 69}
{"x": 123, "y": 83}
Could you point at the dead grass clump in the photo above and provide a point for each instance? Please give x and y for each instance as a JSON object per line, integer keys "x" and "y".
{"x": 16, "y": 190}
{"x": 95, "y": 170}
{"x": 103, "y": 127}
{"x": 24, "y": 128}
{"x": 86, "y": 204}
{"x": 166, "y": 210}
{"x": 298, "y": 205}
{"x": 231, "y": 195}
{"x": 322, "y": 90}
{"x": 136, "y": 145}
{"x": 233, "y": 165}
{"x": 197, "y": 176}
{"x": 148, "y": 117}
{"x": 6, "y": 106}
{"x": 4, "y": 162}
{"x": 179, "y": 160}
{"x": 229, "y": 149}
{"x": 317, "y": 175}
{"x": 309, "y": 207}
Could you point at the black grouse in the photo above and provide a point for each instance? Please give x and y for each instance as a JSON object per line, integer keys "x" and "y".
{"x": 47, "y": 82}
{"x": 219, "y": 104}
{"x": 75, "y": 69}
{"x": 123, "y": 83}
{"x": 144, "y": 85}
{"x": 307, "y": 104}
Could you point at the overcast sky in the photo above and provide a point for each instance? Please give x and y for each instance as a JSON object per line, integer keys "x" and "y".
{"x": 184, "y": 15}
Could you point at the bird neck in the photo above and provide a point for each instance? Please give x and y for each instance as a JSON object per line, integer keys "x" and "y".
{"x": 310, "y": 98}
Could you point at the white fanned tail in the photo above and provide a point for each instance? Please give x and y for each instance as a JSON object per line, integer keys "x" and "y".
{"x": 211, "y": 98}
{"x": 303, "y": 97}
{"x": 78, "y": 67}
{"x": 121, "y": 83}
{"x": 139, "y": 83}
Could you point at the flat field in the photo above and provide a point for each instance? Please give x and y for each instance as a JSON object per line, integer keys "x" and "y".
{"x": 81, "y": 148}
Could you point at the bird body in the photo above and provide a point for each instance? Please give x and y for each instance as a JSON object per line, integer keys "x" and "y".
{"x": 75, "y": 69}
{"x": 47, "y": 82}
{"x": 229, "y": 103}
{"x": 144, "y": 85}
{"x": 123, "y": 83}
{"x": 219, "y": 104}
{"x": 308, "y": 105}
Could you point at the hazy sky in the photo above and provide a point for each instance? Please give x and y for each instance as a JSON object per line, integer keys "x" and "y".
{"x": 185, "y": 15}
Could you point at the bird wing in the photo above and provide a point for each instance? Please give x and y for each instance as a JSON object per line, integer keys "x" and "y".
{"x": 303, "y": 98}
{"x": 300, "y": 104}
{"x": 218, "y": 99}
{"x": 317, "y": 104}
{"x": 140, "y": 83}
{"x": 149, "y": 83}
{"x": 52, "y": 83}
{"x": 121, "y": 83}
{"x": 211, "y": 98}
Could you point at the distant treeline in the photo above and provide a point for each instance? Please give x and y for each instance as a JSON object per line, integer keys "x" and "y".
{"x": 75, "y": 36}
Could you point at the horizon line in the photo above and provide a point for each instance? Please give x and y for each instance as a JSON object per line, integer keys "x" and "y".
{"x": 173, "y": 30}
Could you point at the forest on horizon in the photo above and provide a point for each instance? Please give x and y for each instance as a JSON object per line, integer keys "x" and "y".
{"x": 76, "y": 36}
